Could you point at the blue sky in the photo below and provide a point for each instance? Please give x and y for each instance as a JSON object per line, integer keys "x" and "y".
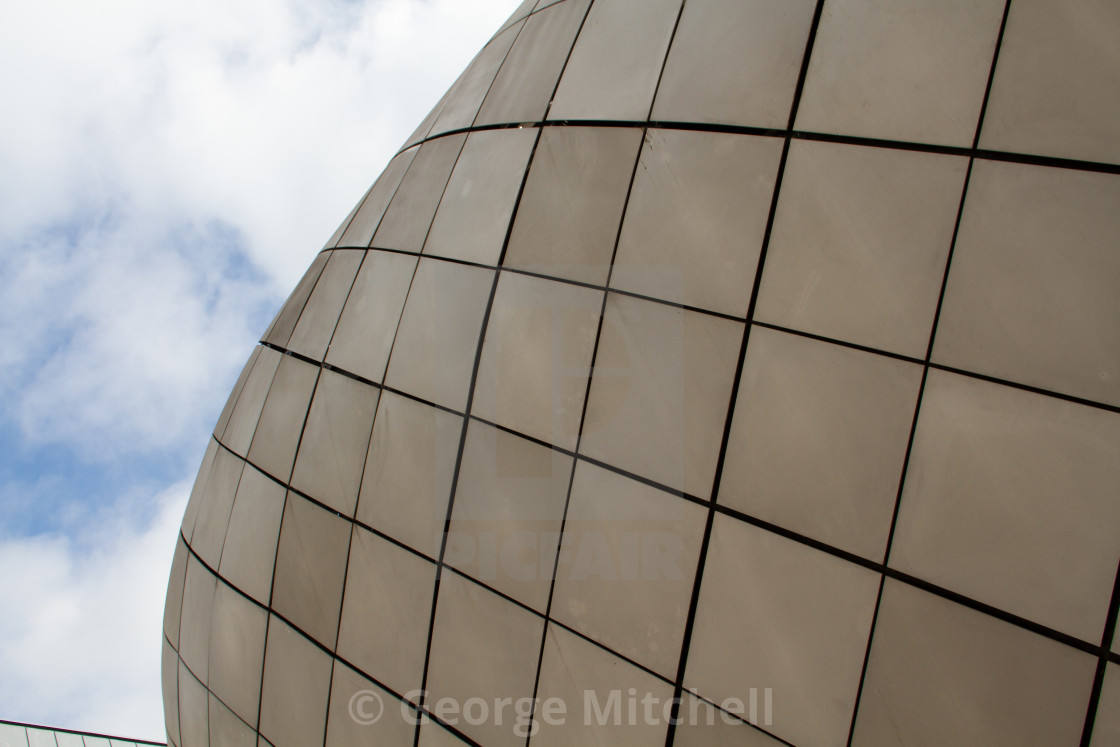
{"x": 167, "y": 171}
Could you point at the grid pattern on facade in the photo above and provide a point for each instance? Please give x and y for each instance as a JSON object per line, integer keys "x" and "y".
{"x": 17, "y": 734}
{"x": 693, "y": 376}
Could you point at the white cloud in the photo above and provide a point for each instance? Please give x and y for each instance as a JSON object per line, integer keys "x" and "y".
{"x": 138, "y": 344}
{"x": 167, "y": 171}
{"x": 270, "y": 116}
{"x": 136, "y": 130}
{"x": 81, "y": 626}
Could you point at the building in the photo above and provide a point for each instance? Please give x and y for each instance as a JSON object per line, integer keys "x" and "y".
{"x": 726, "y": 354}
{"x": 16, "y": 734}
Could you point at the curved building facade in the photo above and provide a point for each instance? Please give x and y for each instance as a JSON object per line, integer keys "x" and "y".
{"x": 717, "y": 372}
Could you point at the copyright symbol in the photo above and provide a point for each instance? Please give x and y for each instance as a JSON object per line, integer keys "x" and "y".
{"x": 366, "y": 707}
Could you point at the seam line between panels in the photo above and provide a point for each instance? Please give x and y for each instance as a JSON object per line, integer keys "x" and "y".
{"x": 225, "y": 530}
{"x": 872, "y": 565}
{"x": 948, "y": 150}
{"x": 991, "y": 74}
{"x": 587, "y": 388}
{"x": 325, "y": 649}
{"x": 922, "y": 384}
{"x": 303, "y": 308}
{"x": 179, "y": 659}
{"x": 279, "y": 533}
{"x": 586, "y": 400}
{"x": 357, "y": 208}
{"x": 925, "y": 363}
{"x": 1103, "y": 652}
{"x": 350, "y": 534}
{"x": 1102, "y": 663}
{"x": 933, "y": 365}
{"x": 279, "y": 529}
{"x": 435, "y": 213}
{"x": 710, "y": 504}
{"x": 466, "y": 415}
{"x": 777, "y": 327}
{"x": 388, "y": 360}
{"x": 523, "y": 21}
{"x": 302, "y": 633}
{"x": 890, "y": 536}
{"x": 396, "y": 189}
{"x": 544, "y": 276}
{"x": 442, "y": 103}
{"x": 206, "y": 685}
{"x": 673, "y": 304}
{"x": 238, "y": 388}
{"x": 369, "y": 192}
{"x": 705, "y": 544}
{"x": 520, "y": 23}
{"x": 568, "y": 56}
{"x": 392, "y": 197}
{"x": 501, "y": 261}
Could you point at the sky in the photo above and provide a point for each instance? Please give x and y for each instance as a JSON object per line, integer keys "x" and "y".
{"x": 167, "y": 172}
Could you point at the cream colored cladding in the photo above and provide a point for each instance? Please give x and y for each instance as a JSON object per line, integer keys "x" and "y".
{"x": 736, "y": 372}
